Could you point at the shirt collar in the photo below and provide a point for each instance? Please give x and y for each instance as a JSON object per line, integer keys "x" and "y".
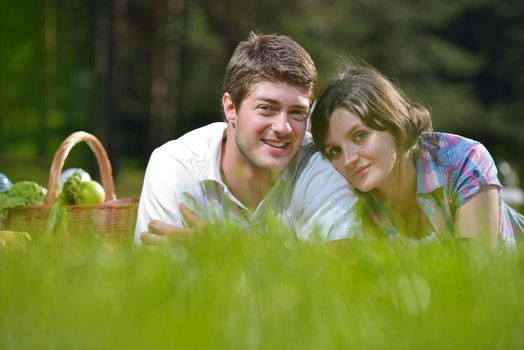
{"x": 431, "y": 194}
{"x": 429, "y": 176}
{"x": 303, "y": 155}
{"x": 211, "y": 160}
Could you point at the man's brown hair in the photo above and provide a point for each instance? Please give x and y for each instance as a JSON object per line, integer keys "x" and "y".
{"x": 273, "y": 57}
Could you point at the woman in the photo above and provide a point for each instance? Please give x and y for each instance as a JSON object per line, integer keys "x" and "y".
{"x": 411, "y": 180}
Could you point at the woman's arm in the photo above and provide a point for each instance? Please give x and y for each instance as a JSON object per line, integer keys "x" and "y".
{"x": 479, "y": 216}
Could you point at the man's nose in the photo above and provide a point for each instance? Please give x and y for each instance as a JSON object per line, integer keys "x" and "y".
{"x": 281, "y": 124}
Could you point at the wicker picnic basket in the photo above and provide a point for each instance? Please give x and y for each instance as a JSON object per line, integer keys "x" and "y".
{"x": 115, "y": 218}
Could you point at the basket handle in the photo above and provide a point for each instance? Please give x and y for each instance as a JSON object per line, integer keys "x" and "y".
{"x": 61, "y": 154}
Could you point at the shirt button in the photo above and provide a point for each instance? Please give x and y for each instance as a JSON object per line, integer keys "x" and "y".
{"x": 476, "y": 173}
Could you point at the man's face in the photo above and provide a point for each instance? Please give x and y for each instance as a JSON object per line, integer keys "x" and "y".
{"x": 269, "y": 125}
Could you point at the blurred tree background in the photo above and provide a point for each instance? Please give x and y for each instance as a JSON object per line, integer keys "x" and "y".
{"x": 137, "y": 73}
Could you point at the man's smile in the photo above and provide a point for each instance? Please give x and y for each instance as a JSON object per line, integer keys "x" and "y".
{"x": 274, "y": 143}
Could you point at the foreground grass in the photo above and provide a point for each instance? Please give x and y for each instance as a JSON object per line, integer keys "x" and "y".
{"x": 231, "y": 290}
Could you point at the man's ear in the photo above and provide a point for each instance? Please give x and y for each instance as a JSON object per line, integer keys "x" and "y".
{"x": 229, "y": 109}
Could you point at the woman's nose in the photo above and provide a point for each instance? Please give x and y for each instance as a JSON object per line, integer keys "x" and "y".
{"x": 350, "y": 157}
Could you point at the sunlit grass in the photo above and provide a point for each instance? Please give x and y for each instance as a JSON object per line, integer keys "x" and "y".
{"x": 228, "y": 289}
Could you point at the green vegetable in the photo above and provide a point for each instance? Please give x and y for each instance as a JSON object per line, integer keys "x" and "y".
{"x": 71, "y": 188}
{"x": 57, "y": 218}
{"x": 22, "y": 194}
{"x": 74, "y": 191}
{"x": 91, "y": 192}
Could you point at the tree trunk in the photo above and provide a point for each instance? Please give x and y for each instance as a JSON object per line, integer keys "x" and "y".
{"x": 166, "y": 70}
{"x": 103, "y": 99}
{"x": 48, "y": 71}
{"x": 111, "y": 55}
{"x": 118, "y": 83}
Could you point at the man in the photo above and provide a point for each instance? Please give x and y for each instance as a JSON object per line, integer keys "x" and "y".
{"x": 259, "y": 164}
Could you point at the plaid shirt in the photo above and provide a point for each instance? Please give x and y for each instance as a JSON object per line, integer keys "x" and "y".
{"x": 449, "y": 172}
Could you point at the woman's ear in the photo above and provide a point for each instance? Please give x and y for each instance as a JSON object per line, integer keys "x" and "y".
{"x": 229, "y": 108}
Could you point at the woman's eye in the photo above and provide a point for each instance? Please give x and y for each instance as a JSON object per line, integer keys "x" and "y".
{"x": 360, "y": 136}
{"x": 334, "y": 152}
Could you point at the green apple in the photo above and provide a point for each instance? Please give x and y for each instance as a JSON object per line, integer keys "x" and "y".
{"x": 91, "y": 192}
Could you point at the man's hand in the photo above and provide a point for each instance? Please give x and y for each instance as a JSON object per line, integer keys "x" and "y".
{"x": 160, "y": 232}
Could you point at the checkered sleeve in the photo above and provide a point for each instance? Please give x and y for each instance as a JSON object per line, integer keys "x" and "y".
{"x": 474, "y": 170}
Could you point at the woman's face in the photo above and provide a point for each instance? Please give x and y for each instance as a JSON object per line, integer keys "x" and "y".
{"x": 365, "y": 157}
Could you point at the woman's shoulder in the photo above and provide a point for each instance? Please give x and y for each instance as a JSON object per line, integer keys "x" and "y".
{"x": 447, "y": 148}
{"x": 446, "y": 141}
{"x": 461, "y": 160}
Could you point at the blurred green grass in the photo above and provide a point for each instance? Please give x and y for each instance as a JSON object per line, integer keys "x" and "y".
{"x": 232, "y": 289}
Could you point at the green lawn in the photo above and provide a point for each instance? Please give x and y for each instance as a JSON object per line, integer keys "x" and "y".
{"x": 228, "y": 289}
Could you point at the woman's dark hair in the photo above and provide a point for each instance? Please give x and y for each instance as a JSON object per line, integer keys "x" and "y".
{"x": 372, "y": 97}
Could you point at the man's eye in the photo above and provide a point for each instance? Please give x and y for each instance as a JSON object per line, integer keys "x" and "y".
{"x": 265, "y": 109}
{"x": 334, "y": 152}
{"x": 299, "y": 115}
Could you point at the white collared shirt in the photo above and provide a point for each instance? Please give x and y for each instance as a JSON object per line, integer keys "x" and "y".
{"x": 310, "y": 196}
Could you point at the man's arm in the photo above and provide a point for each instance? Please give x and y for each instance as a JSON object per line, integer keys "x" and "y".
{"x": 166, "y": 181}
